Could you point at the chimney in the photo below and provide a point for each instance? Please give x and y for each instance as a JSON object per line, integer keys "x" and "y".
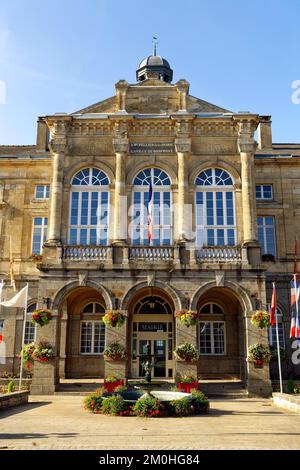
{"x": 42, "y": 137}
{"x": 265, "y": 132}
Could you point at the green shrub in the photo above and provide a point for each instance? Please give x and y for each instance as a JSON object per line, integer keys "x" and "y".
{"x": 181, "y": 407}
{"x": 10, "y": 387}
{"x": 113, "y": 405}
{"x": 290, "y": 386}
{"x": 93, "y": 401}
{"x": 200, "y": 402}
{"x": 147, "y": 407}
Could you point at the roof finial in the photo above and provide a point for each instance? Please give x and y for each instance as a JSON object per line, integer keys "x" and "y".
{"x": 154, "y": 42}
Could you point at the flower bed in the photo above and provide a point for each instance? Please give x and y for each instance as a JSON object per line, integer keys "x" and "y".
{"x": 114, "y": 318}
{"x": 260, "y": 319}
{"x": 41, "y": 317}
{"x": 101, "y": 401}
{"x": 186, "y": 352}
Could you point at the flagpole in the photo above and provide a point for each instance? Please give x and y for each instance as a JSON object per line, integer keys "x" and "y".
{"x": 23, "y": 337}
{"x": 278, "y": 352}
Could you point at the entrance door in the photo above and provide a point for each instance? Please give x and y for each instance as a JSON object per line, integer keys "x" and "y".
{"x": 158, "y": 351}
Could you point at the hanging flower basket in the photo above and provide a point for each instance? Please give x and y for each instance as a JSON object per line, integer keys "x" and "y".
{"x": 114, "y": 318}
{"x": 26, "y": 354}
{"x": 260, "y": 319}
{"x": 258, "y": 353}
{"x": 187, "y": 317}
{"x": 43, "y": 351}
{"x": 186, "y": 352}
{"x": 114, "y": 352}
{"x": 41, "y": 317}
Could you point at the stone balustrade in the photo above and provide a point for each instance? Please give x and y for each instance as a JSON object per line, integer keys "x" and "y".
{"x": 219, "y": 254}
{"x": 151, "y": 253}
{"x": 86, "y": 253}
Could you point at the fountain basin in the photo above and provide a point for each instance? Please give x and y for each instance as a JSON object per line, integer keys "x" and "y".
{"x": 131, "y": 396}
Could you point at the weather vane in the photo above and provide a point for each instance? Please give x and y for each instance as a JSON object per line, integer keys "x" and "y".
{"x": 154, "y": 42}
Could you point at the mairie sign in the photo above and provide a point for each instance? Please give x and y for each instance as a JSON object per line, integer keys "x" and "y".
{"x": 142, "y": 148}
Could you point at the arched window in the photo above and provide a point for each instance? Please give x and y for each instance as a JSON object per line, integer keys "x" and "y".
{"x": 92, "y": 331}
{"x": 215, "y": 208}
{"x": 212, "y": 332}
{"x": 89, "y": 208}
{"x": 161, "y": 213}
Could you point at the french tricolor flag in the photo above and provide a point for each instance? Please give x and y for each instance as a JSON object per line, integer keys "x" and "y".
{"x": 295, "y": 294}
{"x": 150, "y": 213}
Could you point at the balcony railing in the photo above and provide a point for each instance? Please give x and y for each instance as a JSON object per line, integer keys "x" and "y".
{"x": 86, "y": 253}
{"x": 151, "y": 253}
{"x": 219, "y": 254}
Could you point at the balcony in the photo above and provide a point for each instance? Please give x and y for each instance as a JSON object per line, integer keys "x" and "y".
{"x": 86, "y": 253}
{"x": 151, "y": 253}
{"x": 220, "y": 254}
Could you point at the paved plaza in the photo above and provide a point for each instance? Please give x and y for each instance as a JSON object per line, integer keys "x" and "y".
{"x": 59, "y": 422}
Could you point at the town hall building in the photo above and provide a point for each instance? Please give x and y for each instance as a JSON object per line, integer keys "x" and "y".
{"x": 74, "y": 225}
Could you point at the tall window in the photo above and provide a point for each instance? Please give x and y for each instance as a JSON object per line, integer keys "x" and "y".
{"x": 162, "y": 216}
{"x": 89, "y": 208}
{"x": 212, "y": 332}
{"x": 39, "y": 234}
{"x": 215, "y": 209}
{"x": 30, "y": 328}
{"x": 92, "y": 334}
{"x": 266, "y": 235}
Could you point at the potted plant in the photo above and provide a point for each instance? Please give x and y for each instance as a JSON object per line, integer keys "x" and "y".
{"x": 114, "y": 318}
{"x": 186, "y": 352}
{"x": 259, "y": 354}
{"x": 43, "y": 351}
{"x": 187, "y": 382}
{"x": 260, "y": 319}
{"x": 26, "y": 354}
{"x": 114, "y": 352}
{"x": 111, "y": 382}
{"x": 187, "y": 317}
{"x": 41, "y": 317}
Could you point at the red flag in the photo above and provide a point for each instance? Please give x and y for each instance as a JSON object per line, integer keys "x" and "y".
{"x": 273, "y": 306}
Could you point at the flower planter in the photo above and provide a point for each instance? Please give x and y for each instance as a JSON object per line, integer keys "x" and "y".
{"x": 111, "y": 386}
{"x": 187, "y": 387}
{"x": 258, "y": 364}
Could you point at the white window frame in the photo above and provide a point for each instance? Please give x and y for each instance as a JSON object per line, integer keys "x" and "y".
{"x": 46, "y": 191}
{"x": 93, "y": 322}
{"x": 205, "y": 227}
{"x": 43, "y": 228}
{"x": 138, "y": 222}
{"x": 211, "y": 322}
{"x": 264, "y": 226}
{"x": 261, "y": 190}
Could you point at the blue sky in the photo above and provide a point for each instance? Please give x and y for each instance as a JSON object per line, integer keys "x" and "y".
{"x": 63, "y": 55}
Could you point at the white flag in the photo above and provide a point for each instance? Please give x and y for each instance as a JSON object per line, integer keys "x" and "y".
{"x": 19, "y": 300}
{"x": 1, "y": 287}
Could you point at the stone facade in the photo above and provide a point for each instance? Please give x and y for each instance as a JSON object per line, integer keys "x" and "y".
{"x": 151, "y": 124}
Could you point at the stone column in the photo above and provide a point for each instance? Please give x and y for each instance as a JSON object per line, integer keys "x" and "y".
{"x": 183, "y": 89}
{"x": 63, "y": 343}
{"x": 185, "y": 334}
{"x": 54, "y": 226}
{"x": 117, "y": 335}
{"x": 183, "y": 147}
{"x": 121, "y": 149}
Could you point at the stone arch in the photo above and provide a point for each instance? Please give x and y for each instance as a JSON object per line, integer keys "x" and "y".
{"x": 64, "y": 291}
{"x": 217, "y": 164}
{"x": 137, "y": 168}
{"x": 236, "y": 290}
{"x": 75, "y": 167}
{"x": 175, "y": 296}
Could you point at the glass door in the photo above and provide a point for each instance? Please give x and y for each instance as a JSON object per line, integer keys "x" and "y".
{"x": 159, "y": 358}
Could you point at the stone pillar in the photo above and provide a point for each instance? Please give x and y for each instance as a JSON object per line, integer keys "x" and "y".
{"x": 258, "y": 380}
{"x": 63, "y": 344}
{"x": 45, "y": 375}
{"x": 121, "y": 90}
{"x": 183, "y": 89}
{"x": 183, "y": 147}
{"x": 265, "y": 133}
{"x": 185, "y": 334}
{"x": 117, "y": 335}
{"x": 121, "y": 149}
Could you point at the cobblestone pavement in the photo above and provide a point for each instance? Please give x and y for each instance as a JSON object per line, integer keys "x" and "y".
{"x": 59, "y": 422}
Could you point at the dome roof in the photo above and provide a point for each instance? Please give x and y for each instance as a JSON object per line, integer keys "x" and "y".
{"x": 154, "y": 60}
{"x": 154, "y": 66}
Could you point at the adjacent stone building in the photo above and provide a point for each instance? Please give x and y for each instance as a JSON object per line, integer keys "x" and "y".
{"x": 226, "y": 212}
